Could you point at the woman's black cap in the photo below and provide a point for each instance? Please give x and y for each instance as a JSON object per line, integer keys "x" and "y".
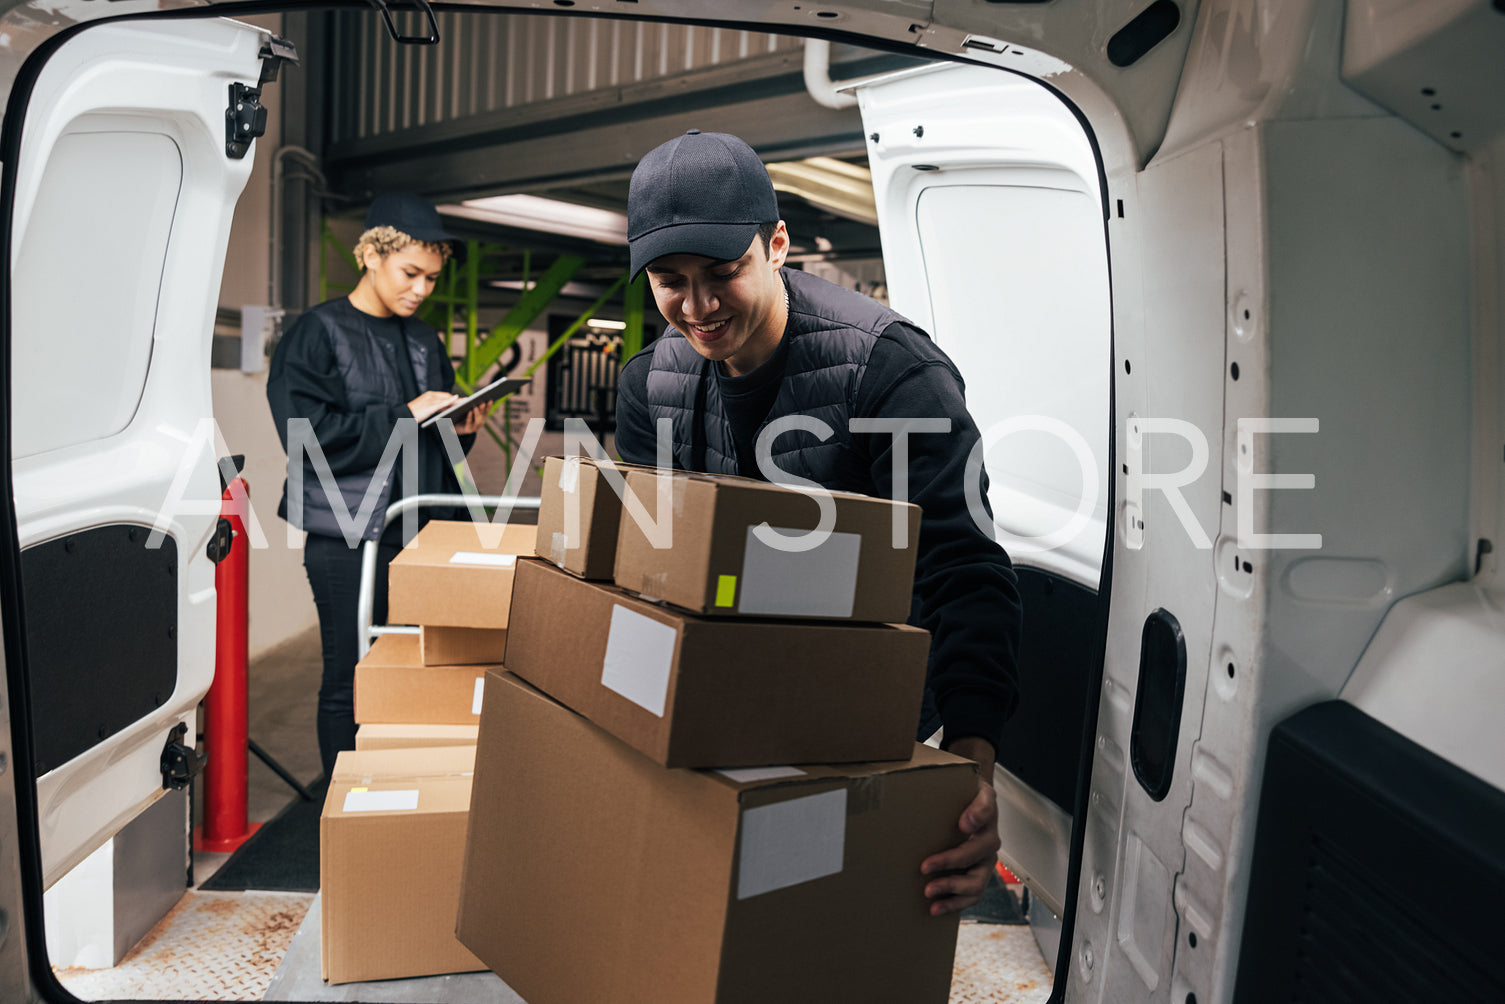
{"x": 414, "y": 216}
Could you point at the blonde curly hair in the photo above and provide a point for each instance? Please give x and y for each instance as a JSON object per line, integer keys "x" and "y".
{"x": 386, "y": 240}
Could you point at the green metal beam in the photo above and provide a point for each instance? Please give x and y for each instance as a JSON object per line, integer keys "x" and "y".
{"x": 472, "y": 306}
{"x": 632, "y": 314}
{"x": 524, "y": 312}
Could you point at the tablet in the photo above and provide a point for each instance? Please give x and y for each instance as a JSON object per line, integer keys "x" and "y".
{"x": 491, "y": 392}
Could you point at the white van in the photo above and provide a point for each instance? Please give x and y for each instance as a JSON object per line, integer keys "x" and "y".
{"x": 1223, "y": 278}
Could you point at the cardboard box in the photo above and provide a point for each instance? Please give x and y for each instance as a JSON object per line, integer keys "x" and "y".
{"x": 724, "y": 562}
{"x": 461, "y": 646}
{"x": 389, "y": 736}
{"x": 391, "y": 843}
{"x": 693, "y": 691}
{"x": 801, "y": 884}
{"x": 393, "y": 685}
{"x": 575, "y": 489}
{"x": 456, "y": 574}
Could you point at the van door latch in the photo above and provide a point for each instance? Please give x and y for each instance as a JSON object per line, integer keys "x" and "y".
{"x": 180, "y": 762}
{"x": 220, "y": 541}
{"x": 245, "y": 115}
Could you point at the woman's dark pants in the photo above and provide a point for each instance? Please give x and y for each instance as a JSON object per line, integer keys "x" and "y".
{"x": 334, "y": 573}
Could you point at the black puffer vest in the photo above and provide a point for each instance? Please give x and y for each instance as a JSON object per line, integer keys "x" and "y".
{"x": 831, "y": 333}
{"x": 368, "y": 368}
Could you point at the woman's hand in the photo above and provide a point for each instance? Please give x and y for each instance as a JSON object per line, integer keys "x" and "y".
{"x": 431, "y": 402}
{"x": 473, "y": 420}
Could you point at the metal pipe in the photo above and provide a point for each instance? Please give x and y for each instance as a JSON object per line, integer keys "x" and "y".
{"x": 818, "y": 76}
{"x": 274, "y": 231}
{"x": 366, "y": 597}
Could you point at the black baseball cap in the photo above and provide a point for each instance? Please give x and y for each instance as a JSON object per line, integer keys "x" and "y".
{"x": 414, "y": 216}
{"x": 702, "y": 193}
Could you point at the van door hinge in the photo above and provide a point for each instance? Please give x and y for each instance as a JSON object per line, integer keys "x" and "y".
{"x": 181, "y": 763}
{"x": 246, "y": 116}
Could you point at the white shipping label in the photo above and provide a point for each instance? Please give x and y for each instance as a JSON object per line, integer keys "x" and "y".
{"x": 820, "y": 582}
{"x": 483, "y": 558}
{"x": 569, "y": 475}
{"x": 747, "y": 775}
{"x": 791, "y": 842}
{"x": 639, "y": 655}
{"x": 405, "y": 800}
{"x": 475, "y": 702}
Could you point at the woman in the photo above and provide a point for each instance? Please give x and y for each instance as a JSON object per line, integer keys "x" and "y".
{"x": 348, "y": 381}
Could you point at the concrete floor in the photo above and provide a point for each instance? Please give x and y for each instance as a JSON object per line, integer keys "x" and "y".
{"x": 283, "y": 692}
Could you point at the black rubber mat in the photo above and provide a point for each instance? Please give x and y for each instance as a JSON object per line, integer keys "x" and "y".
{"x": 998, "y": 905}
{"x": 282, "y": 856}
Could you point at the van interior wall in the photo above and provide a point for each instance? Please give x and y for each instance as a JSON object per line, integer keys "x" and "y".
{"x": 1486, "y": 179}
{"x": 282, "y": 606}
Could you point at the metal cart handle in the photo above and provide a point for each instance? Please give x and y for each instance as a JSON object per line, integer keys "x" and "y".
{"x": 366, "y": 598}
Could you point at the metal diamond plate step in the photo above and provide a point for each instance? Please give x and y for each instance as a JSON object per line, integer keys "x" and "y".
{"x": 998, "y": 964}
{"x": 212, "y": 946}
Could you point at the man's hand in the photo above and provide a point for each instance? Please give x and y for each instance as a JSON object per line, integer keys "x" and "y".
{"x": 957, "y": 877}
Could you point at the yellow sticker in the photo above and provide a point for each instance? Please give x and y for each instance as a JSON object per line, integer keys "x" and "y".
{"x": 359, "y": 789}
{"x": 726, "y": 590}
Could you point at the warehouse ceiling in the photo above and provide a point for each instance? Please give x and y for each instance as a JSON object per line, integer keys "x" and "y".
{"x": 822, "y": 226}
{"x": 561, "y": 110}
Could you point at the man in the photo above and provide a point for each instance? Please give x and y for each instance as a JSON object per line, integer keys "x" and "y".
{"x": 752, "y": 342}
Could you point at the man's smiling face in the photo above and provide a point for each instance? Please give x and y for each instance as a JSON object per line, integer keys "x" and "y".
{"x": 732, "y": 312}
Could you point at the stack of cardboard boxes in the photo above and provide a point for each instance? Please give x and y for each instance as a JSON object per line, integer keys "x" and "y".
{"x": 596, "y": 868}
{"x": 393, "y": 828}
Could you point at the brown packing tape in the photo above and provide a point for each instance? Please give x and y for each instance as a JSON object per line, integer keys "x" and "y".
{"x": 654, "y": 584}
{"x": 864, "y": 794}
{"x": 569, "y": 475}
{"x": 399, "y": 778}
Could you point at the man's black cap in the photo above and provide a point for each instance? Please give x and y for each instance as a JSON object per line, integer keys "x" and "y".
{"x": 703, "y": 193}
{"x": 414, "y": 216}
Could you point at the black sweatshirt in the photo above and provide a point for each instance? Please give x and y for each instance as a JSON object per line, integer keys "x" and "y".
{"x": 304, "y": 382}
{"x": 966, "y": 593}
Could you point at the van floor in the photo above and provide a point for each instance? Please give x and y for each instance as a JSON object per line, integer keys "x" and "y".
{"x": 252, "y": 946}
{"x": 219, "y": 946}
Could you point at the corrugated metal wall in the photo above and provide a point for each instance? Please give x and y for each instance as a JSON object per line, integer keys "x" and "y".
{"x": 486, "y": 63}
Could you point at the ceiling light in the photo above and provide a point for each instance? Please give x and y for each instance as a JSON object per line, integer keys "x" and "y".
{"x": 531, "y": 212}
{"x": 826, "y": 183}
{"x": 576, "y": 290}
{"x": 605, "y": 324}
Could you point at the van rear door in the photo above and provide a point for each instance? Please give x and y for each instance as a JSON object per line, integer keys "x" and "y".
{"x": 133, "y": 152}
{"x": 991, "y": 213}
